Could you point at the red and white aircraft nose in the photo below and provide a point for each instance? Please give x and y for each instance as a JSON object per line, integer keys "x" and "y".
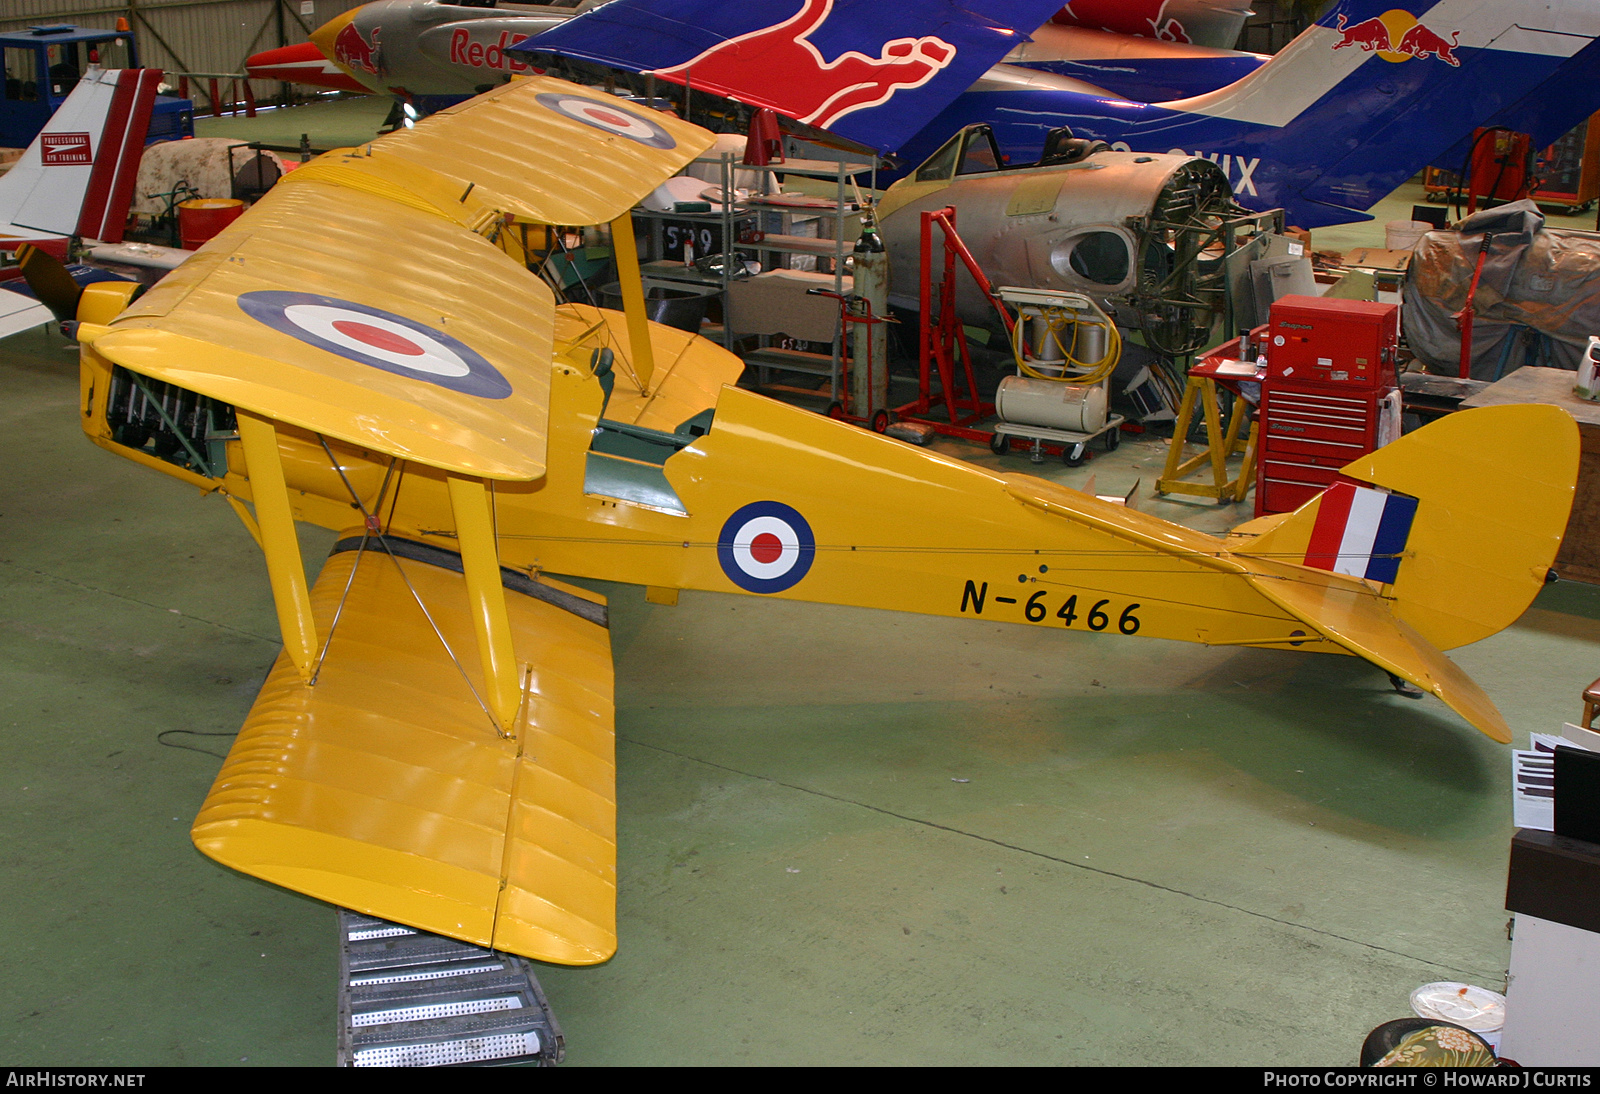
{"x": 300, "y": 64}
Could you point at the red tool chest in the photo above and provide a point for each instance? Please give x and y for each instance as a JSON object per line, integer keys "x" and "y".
{"x": 1330, "y": 363}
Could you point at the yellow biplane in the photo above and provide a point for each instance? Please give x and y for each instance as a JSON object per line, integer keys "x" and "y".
{"x": 435, "y": 744}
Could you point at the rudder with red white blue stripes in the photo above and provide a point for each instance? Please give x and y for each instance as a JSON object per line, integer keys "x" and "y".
{"x": 1361, "y": 531}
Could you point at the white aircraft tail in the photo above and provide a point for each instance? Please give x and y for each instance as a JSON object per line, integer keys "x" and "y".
{"x": 77, "y": 176}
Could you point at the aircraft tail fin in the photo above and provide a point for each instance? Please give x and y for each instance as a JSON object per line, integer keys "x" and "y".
{"x": 77, "y": 176}
{"x": 1454, "y": 527}
{"x": 1372, "y": 93}
{"x": 829, "y": 64}
{"x": 1457, "y": 522}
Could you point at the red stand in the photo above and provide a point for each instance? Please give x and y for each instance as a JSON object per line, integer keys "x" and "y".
{"x": 943, "y": 339}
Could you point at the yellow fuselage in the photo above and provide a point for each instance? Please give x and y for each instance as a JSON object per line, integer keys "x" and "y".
{"x": 894, "y": 526}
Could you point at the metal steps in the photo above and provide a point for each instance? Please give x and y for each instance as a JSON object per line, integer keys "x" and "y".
{"x": 412, "y": 999}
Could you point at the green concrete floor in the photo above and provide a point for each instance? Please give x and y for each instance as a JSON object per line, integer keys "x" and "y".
{"x": 1159, "y": 853}
{"x": 331, "y": 123}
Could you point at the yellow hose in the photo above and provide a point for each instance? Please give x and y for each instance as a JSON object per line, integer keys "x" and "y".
{"x": 1056, "y": 320}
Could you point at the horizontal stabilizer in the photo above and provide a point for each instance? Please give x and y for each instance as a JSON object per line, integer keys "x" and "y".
{"x": 384, "y": 787}
{"x": 1351, "y": 614}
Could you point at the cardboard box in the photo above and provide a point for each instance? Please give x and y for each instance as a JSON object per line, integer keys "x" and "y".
{"x": 1376, "y": 258}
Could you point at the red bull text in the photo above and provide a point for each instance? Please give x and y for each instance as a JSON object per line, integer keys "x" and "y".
{"x": 464, "y": 51}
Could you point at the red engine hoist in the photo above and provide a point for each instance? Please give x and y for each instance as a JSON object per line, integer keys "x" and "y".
{"x": 943, "y": 339}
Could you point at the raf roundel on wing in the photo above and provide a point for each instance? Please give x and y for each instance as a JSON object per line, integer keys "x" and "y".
{"x": 381, "y": 339}
{"x": 609, "y": 118}
{"x": 766, "y": 547}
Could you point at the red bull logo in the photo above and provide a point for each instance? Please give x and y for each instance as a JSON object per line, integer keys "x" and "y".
{"x": 1397, "y": 36}
{"x": 1142, "y": 18}
{"x": 352, "y": 51}
{"x": 778, "y": 66}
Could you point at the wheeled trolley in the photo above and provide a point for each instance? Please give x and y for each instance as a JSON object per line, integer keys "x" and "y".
{"x": 1074, "y": 446}
{"x": 1065, "y": 348}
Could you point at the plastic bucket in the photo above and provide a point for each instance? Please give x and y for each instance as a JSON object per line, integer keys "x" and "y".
{"x": 201, "y": 218}
{"x": 1402, "y": 235}
{"x": 682, "y": 306}
{"x": 1478, "y": 1009}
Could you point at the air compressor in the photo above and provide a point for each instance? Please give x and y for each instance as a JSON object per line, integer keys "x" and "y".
{"x": 1065, "y": 348}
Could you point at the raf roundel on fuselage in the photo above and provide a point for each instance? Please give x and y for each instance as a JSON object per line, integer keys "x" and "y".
{"x": 766, "y": 547}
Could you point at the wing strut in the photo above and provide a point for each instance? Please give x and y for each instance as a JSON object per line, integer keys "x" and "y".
{"x": 626, "y": 251}
{"x": 480, "y": 565}
{"x": 285, "y": 568}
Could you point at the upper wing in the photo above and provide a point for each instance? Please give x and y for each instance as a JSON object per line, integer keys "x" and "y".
{"x": 828, "y": 63}
{"x": 364, "y": 299}
{"x": 343, "y": 312}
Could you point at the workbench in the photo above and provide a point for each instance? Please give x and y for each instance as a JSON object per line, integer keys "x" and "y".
{"x": 1579, "y": 558}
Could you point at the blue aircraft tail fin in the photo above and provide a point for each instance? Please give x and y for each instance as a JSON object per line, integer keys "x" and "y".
{"x": 1370, "y": 94}
{"x": 826, "y": 63}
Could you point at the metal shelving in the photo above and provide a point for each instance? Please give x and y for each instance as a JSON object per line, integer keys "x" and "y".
{"x": 767, "y": 215}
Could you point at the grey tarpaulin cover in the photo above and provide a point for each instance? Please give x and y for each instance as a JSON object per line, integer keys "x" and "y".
{"x": 1537, "y": 302}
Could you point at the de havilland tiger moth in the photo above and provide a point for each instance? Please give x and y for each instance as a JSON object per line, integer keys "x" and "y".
{"x": 434, "y": 746}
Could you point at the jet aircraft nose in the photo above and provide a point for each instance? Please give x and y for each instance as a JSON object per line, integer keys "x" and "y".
{"x": 352, "y": 46}
{"x": 302, "y": 63}
{"x": 325, "y": 35}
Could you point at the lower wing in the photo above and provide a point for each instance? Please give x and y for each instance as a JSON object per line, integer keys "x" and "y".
{"x": 387, "y": 788}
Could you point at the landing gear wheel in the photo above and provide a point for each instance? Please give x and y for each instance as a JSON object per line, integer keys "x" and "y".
{"x": 1113, "y": 438}
{"x": 1073, "y": 455}
{"x": 880, "y": 421}
{"x": 999, "y": 444}
{"x": 836, "y": 411}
